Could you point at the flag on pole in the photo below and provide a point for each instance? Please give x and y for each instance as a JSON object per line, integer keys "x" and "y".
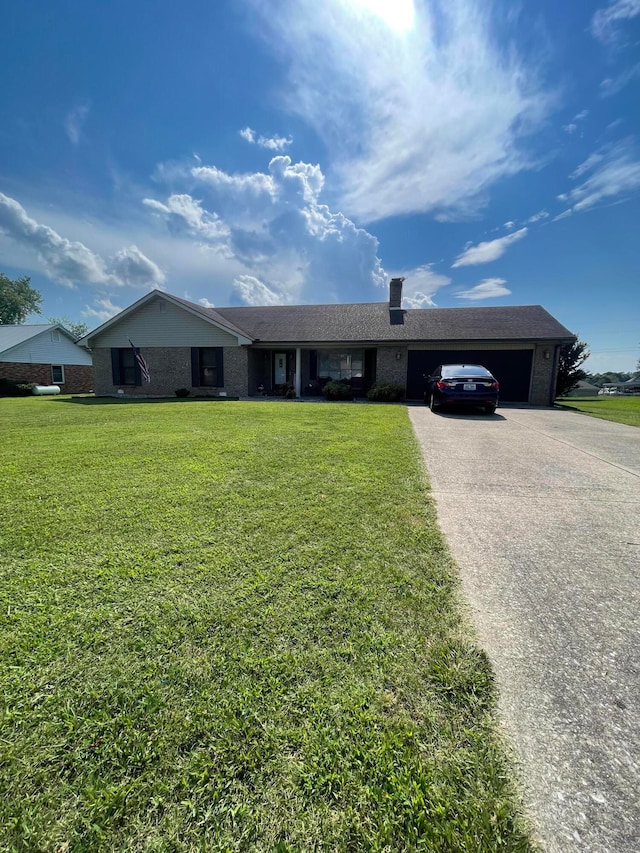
{"x": 142, "y": 364}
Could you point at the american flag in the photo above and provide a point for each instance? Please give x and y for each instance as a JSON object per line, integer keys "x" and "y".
{"x": 142, "y": 364}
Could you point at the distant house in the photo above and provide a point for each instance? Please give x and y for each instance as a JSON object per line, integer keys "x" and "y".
{"x": 46, "y": 354}
{"x": 583, "y": 389}
{"x": 248, "y": 351}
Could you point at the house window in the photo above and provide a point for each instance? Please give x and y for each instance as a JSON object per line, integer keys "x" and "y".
{"x": 341, "y": 364}
{"x": 57, "y": 374}
{"x": 124, "y": 367}
{"x": 207, "y": 367}
{"x": 55, "y": 336}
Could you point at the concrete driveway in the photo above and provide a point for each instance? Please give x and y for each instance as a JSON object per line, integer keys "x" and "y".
{"x": 541, "y": 509}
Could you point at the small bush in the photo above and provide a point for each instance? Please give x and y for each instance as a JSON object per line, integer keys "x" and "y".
{"x": 386, "y": 392}
{"x": 182, "y": 392}
{"x": 9, "y": 388}
{"x": 337, "y": 391}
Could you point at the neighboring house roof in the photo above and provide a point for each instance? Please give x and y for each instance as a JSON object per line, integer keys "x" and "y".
{"x": 44, "y": 343}
{"x": 11, "y": 336}
{"x": 369, "y": 321}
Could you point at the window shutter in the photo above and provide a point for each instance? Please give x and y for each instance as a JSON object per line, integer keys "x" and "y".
{"x": 313, "y": 364}
{"x": 195, "y": 367}
{"x": 115, "y": 366}
{"x": 220, "y": 367}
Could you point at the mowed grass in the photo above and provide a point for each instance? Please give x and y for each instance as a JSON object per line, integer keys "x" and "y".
{"x": 235, "y": 626}
{"x": 623, "y": 409}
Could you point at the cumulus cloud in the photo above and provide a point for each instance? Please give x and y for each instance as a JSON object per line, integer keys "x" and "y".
{"x": 205, "y": 303}
{"x": 613, "y": 175}
{"x": 271, "y": 143}
{"x": 249, "y": 290}
{"x": 70, "y": 262}
{"x": 274, "y": 224}
{"x": 490, "y": 250}
{"x": 75, "y": 120}
{"x": 605, "y": 24}
{"x": 489, "y": 288}
{"x": 570, "y": 128}
{"x": 181, "y": 212}
{"x": 103, "y": 309}
{"x": 424, "y": 119}
{"x": 421, "y": 283}
{"x": 130, "y": 266}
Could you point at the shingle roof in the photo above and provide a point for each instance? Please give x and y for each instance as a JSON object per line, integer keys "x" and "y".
{"x": 369, "y": 321}
{"x": 11, "y": 336}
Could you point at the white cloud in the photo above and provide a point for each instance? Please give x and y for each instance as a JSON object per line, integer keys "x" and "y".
{"x": 421, "y": 283}
{"x": 74, "y": 121}
{"x": 70, "y": 262}
{"x": 615, "y": 175}
{"x": 271, "y": 143}
{"x": 103, "y": 309}
{"x": 510, "y": 225}
{"x": 205, "y": 303}
{"x": 570, "y": 128}
{"x": 490, "y": 250}
{"x": 541, "y": 214}
{"x": 606, "y": 22}
{"x": 275, "y": 227}
{"x": 131, "y": 267}
{"x": 182, "y": 212}
{"x": 611, "y": 86}
{"x": 489, "y": 288}
{"x": 249, "y": 290}
{"x": 425, "y": 119}
{"x": 581, "y": 115}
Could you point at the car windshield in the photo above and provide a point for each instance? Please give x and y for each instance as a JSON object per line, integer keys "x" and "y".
{"x": 464, "y": 370}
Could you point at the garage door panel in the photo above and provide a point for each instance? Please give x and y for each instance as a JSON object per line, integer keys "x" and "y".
{"x": 512, "y": 369}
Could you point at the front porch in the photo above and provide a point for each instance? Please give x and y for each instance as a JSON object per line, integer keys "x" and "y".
{"x": 303, "y": 371}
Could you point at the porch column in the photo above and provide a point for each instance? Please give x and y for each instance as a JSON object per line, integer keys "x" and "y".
{"x": 298, "y": 370}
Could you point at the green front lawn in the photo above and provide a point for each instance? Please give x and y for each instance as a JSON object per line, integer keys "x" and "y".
{"x": 623, "y": 410}
{"x": 235, "y": 626}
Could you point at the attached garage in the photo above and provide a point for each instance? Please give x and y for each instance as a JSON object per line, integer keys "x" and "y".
{"x": 511, "y": 367}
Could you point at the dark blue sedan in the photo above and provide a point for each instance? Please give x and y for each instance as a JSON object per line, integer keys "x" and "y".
{"x": 462, "y": 385}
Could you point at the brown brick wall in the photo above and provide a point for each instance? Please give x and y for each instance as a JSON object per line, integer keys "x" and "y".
{"x": 78, "y": 378}
{"x": 170, "y": 369}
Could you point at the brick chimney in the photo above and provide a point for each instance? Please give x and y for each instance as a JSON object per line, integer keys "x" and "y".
{"x": 396, "y": 314}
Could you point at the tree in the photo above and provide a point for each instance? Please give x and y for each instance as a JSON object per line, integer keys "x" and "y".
{"x": 78, "y": 330}
{"x": 569, "y": 372}
{"x": 17, "y": 300}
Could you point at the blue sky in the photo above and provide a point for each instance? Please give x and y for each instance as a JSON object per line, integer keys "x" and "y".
{"x": 250, "y": 152}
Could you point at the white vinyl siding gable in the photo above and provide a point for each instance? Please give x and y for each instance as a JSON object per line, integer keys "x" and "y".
{"x": 170, "y": 327}
{"x": 42, "y": 349}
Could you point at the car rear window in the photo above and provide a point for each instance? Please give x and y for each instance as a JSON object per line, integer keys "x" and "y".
{"x": 464, "y": 370}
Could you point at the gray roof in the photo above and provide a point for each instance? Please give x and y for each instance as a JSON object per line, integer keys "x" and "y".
{"x": 369, "y": 321}
{"x": 11, "y": 336}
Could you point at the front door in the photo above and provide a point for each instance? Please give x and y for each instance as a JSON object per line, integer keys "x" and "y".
{"x": 279, "y": 368}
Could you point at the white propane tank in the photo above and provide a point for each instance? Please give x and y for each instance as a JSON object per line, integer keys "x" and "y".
{"x": 41, "y": 390}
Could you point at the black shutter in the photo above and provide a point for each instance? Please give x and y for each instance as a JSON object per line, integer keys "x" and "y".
{"x": 313, "y": 364}
{"x": 220, "y": 367}
{"x": 115, "y": 366}
{"x": 195, "y": 367}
